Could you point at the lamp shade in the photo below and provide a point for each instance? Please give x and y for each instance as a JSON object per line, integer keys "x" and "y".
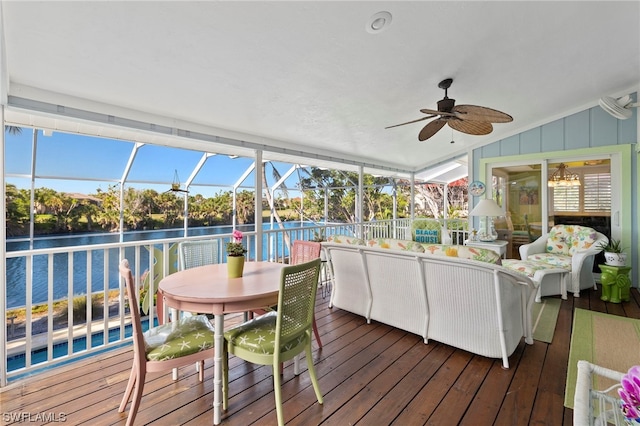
{"x": 487, "y": 207}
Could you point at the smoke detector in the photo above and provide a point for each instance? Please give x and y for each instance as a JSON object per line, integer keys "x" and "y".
{"x": 619, "y": 108}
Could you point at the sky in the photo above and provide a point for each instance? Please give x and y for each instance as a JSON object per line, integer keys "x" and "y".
{"x": 77, "y": 163}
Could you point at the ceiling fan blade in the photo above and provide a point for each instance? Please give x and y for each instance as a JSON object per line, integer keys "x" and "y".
{"x": 433, "y": 111}
{"x": 471, "y": 127}
{"x": 409, "y": 122}
{"x": 480, "y": 113}
{"x": 431, "y": 129}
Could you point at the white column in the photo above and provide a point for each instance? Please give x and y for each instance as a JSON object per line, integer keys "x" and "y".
{"x": 258, "y": 204}
{"x": 3, "y": 256}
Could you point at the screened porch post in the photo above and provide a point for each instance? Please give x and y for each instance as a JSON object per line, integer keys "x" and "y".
{"x": 258, "y": 204}
{"x": 445, "y": 203}
{"x": 32, "y": 203}
{"x": 326, "y": 204}
{"x": 412, "y": 204}
{"x": 123, "y": 179}
{"x": 3, "y": 253}
{"x": 359, "y": 209}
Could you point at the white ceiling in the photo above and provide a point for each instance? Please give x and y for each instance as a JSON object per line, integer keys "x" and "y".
{"x": 306, "y": 78}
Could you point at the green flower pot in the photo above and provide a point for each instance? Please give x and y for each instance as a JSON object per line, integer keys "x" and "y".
{"x": 235, "y": 266}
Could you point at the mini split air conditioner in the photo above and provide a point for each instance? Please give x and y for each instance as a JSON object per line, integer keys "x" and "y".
{"x": 620, "y": 108}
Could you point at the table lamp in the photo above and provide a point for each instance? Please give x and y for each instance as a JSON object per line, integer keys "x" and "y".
{"x": 489, "y": 209}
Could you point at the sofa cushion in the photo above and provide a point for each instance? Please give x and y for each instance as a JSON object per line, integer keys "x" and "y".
{"x": 568, "y": 239}
{"x": 463, "y": 252}
{"x": 390, "y": 243}
{"x": 345, "y": 239}
{"x": 525, "y": 267}
{"x": 555, "y": 260}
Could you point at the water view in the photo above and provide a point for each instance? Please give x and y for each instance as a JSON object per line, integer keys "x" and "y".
{"x": 17, "y": 279}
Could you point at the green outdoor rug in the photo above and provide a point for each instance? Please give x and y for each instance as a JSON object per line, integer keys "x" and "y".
{"x": 609, "y": 341}
{"x": 544, "y": 316}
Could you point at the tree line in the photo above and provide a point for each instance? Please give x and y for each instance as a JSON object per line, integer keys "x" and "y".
{"x": 59, "y": 212}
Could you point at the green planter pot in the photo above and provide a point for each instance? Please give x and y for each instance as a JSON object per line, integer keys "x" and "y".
{"x": 235, "y": 266}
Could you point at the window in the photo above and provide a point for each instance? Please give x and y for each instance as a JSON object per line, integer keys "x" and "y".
{"x": 597, "y": 192}
{"x": 566, "y": 199}
{"x": 593, "y": 196}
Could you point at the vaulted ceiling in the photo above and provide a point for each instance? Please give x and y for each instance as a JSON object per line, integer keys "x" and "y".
{"x": 309, "y": 79}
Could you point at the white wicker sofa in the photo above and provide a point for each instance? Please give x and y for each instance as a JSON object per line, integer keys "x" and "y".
{"x": 473, "y": 305}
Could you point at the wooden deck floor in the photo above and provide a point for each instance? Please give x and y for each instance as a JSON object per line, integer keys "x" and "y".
{"x": 369, "y": 375}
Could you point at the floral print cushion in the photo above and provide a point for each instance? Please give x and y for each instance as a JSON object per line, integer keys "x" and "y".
{"x": 555, "y": 260}
{"x": 463, "y": 252}
{"x": 568, "y": 239}
{"x": 176, "y": 339}
{"x": 345, "y": 239}
{"x": 390, "y": 243}
{"x": 525, "y": 267}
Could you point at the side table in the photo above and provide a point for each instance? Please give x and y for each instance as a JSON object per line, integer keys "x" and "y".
{"x": 499, "y": 246}
{"x": 615, "y": 283}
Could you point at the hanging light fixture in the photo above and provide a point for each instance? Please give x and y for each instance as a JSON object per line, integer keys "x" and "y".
{"x": 563, "y": 177}
{"x": 175, "y": 185}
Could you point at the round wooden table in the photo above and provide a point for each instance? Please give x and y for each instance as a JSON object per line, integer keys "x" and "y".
{"x": 207, "y": 289}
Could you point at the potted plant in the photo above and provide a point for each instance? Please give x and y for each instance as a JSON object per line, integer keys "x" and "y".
{"x": 235, "y": 255}
{"x": 614, "y": 253}
{"x": 318, "y": 236}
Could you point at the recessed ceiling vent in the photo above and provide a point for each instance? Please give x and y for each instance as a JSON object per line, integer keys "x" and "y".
{"x": 620, "y": 108}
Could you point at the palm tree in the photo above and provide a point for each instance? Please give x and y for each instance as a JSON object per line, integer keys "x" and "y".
{"x": 276, "y": 176}
{"x": 13, "y": 130}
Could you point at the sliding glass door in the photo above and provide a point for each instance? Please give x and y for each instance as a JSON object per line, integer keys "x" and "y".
{"x": 517, "y": 189}
{"x": 537, "y": 195}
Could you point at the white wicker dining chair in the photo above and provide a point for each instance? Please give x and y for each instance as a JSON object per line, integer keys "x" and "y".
{"x": 596, "y": 407}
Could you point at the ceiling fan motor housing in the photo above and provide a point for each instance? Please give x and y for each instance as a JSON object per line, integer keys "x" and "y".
{"x": 446, "y": 105}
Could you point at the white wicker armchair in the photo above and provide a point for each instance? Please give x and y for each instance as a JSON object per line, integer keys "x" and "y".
{"x": 596, "y": 407}
{"x": 570, "y": 247}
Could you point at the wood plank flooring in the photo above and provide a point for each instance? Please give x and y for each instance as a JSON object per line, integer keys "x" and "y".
{"x": 370, "y": 374}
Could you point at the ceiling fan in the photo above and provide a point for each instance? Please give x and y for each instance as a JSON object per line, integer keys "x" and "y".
{"x": 470, "y": 119}
{"x": 619, "y": 108}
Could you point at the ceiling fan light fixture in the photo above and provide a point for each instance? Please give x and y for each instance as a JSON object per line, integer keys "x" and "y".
{"x": 619, "y": 108}
{"x": 378, "y": 22}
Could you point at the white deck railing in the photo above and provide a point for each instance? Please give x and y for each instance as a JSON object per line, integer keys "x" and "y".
{"x": 79, "y": 338}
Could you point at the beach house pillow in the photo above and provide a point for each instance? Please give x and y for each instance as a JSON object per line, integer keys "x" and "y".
{"x": 427, "y": 236}
{"x": 426, "y": 231}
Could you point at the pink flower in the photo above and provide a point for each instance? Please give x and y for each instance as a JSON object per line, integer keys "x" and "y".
{"x": 630, "y": 393}
{"x": 237, "y": 236}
